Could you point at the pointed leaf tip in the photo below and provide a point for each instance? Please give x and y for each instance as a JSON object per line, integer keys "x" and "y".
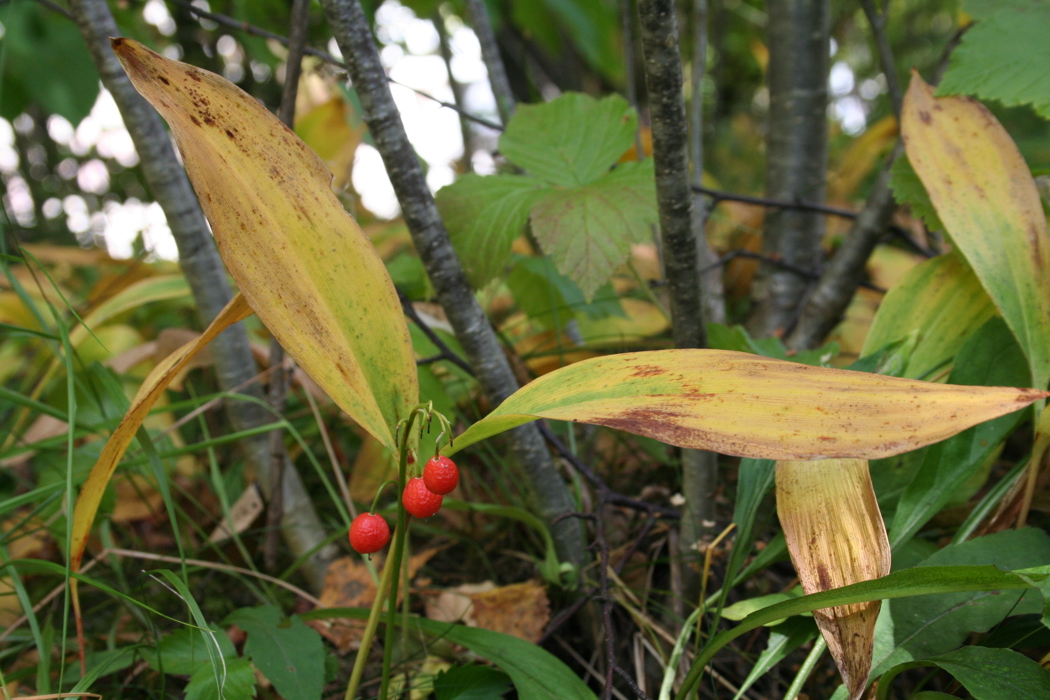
{"x": 300, "y": 260}
{"x": 749, "y": 406}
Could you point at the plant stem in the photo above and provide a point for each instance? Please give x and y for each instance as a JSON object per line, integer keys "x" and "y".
{"x": 370, "y": 627}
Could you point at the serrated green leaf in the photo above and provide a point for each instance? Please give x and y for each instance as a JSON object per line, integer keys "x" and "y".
{"x": 471, "y": 683}
{"x": 1004, "y": 57}
{"x": 287, "y": 652}
{"x": 570, "y": 141}
{"x": 908, "y": 189}
{"x": 484, "y": 215}
{"x": 588, "y": 230}
{"x": 996, "y": 674}
{"x": 239, "y": 685}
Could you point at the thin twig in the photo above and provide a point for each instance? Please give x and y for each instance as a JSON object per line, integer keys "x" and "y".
{"x": 150, "y": 556}
{"x": 878, "y": 21}
{"x": 277, "y": 394}
{"x": 899, "y": 231}
{"x": 479, "y": 20}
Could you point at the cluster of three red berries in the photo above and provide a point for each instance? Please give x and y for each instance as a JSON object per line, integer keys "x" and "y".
{"x": 422, "y": 498}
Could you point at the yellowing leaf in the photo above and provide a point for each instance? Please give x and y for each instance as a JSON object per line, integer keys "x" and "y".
{"x": 986, "y": 197}
{"x": 836, "y": 537}
{"x": 299, "y": 259}
{"x": 741, "y": 404}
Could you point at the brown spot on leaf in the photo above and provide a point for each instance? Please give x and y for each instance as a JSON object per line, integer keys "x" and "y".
{"x": 230, "y": 134}
{"x": 197, "y": 122}
{"x": 824, "y": 577}
{"x": 925, "y": 116}
{"x": 193, "y": 75}
{"x": 647, "y": 371}
{"x": 164, "y": 80}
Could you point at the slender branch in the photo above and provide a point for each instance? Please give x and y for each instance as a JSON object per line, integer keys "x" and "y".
{"x": 663, "y": 77}
{"x": 465, "y": 314}
{"x": 445, "y": 47}
{"x": 713, "y": 292}
{"x": 207, "y": 279}
{"x": 631, "y": 88}
{"x": 482, "y": 25}
{"x": 877, "y": 21}
{"x": 278, "y": 389}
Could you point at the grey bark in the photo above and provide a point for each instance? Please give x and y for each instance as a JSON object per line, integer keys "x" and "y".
{"x": 482, "y": 25}
{"x": 663, "y": 78}
{"x": 204, "y": 271}
{"x": 796, "y": 157}
{"x": 826, "y": 304}
{"x": 712, "y": 290}
{"x": 466, "y": 316}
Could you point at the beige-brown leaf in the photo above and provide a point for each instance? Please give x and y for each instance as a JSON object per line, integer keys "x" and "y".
{"x": 836, "y": 537}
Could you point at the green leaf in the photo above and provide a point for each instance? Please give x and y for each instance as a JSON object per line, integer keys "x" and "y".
{"x": 996, "y": 674}
{"x": 471, "y": 683}
{"x": 570, "y": 141}
{"x": 907, "y": 189}
{"x": 783, "y": 640}
{"x": 934, "y": 625}
{"x": 737, "y": 338}
{"x": 588, "y": 230}
{"x": 553, "y": 299}
{"x": 1004, "y": 57}
{"x": 537, "y": 674}
{"x": 45, "y": 63}
{"x": 941, "y": 302}
{"x": 991, "y": 357}
{"x": 484, "y": 215}
{"x": 738, "y": 611}
{"x": 287, "y": 652}
{"x": 184, "y": 651}
{"x": 240, "y": 682}
{"x": 920, "y": 581}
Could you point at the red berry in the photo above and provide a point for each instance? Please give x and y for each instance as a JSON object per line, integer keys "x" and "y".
{"x": 420, "y": 501}
{"x": 369, "y": 533}
{"x": 441, "y": 475}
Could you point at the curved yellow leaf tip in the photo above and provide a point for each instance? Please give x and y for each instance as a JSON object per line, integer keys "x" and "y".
{"x": 301, "y": 261}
